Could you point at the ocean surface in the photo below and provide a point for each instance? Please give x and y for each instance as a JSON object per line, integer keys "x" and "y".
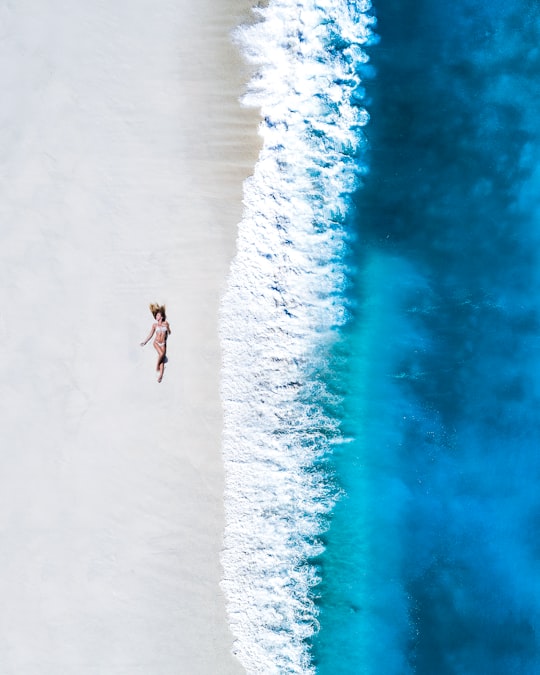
{"x": 381, "y": 343}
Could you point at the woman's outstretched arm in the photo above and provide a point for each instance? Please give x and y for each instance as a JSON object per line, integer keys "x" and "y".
{"x": 151, "y": 333}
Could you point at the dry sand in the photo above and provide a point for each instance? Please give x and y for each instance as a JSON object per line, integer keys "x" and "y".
{"x": 123, "y": 150}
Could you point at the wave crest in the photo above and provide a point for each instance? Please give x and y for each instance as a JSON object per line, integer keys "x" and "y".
{"x": 279, "y": 315}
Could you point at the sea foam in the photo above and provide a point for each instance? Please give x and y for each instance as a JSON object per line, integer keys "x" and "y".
{"x": 279, "y": 317}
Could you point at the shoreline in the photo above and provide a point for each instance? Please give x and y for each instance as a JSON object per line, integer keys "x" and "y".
{"x": 126, "y": 149}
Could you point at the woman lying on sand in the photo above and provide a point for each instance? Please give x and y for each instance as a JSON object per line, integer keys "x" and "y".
{"x": 162, "y": 331}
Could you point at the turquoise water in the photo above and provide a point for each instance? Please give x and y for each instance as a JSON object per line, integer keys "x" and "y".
{"x": 431, "y": 561}
{"x": 381, "y": 347}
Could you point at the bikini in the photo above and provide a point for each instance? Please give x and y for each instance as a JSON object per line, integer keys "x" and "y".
{"x": 160, "y": 329}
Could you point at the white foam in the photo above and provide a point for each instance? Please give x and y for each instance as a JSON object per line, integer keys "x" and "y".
{"x": 279, "y": 317}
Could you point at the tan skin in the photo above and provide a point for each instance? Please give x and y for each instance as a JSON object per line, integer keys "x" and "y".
{"x": 160, "y": 341}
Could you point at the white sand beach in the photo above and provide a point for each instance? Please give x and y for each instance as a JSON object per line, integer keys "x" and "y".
{"x": 123, "y": 150}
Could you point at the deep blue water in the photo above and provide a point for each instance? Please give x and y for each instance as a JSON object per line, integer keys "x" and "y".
{"x": 432, "y": 558}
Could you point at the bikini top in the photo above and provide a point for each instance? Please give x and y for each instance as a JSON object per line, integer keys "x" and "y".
{"x": 161, "y": 329}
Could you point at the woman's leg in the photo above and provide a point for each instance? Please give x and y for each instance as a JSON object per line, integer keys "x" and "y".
{"x": 161, "y": 362}
{"x": 160, "y": 354}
